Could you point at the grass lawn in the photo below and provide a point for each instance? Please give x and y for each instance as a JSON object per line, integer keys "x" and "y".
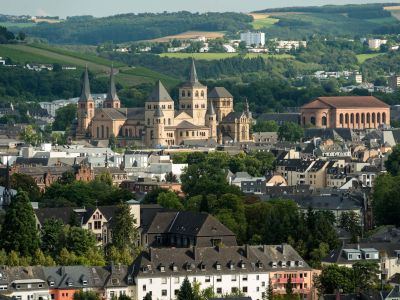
{"x": 217, "y": 56}
{"x": 262, "y": 23}
{"x": 363, "y": 57}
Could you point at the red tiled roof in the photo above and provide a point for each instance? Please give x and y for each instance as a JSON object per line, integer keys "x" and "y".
{"x": 347, "y": 102}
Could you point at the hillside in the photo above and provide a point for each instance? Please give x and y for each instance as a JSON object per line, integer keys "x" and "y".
{"x": 135, "y": 27}
{"x": 339, "y": 20}
{"x": 39, "y": 53}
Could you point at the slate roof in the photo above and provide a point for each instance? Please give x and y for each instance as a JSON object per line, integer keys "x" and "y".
{"x": 210, "y": 109}
{"x": 232, "y": 116}
{"x": 327, "y": 202}
{"x": 85, "y": 95}
{"x": 159, "y": 94}
{"x": 31, "y": 274}
{"x": 71, "y": 277}
{"x": 299, "y": 165}
{"x": 206, "y": 259}
{"x": 63, "y": 214}
{"x": 112, "y": 91}
{"x": 113, "y": 113}
{"x": 346, "y": 102}
{"x": 336, "y": 256}
{"x": 280, "y": 117}
{"x": 219, "y": 92}
{"x": 193, "y": 79}
{"x": 136, "y": 113}
{"x": 187, "y": 125}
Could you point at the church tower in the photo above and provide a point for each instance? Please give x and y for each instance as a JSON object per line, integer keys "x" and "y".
{"x": 85, "y": 108}
{"x": 7, "y": 190}
{"x": 211, "y": 120}
{"x": 159, "y": 112}
{"x": 112, "y": 100}
{"x": 193, "y": 98}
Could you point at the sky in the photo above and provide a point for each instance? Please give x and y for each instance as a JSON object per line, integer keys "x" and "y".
{"x": 100, "y": 8}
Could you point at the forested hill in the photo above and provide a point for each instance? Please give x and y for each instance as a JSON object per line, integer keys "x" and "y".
{"x": 134, "y": 27}
{"x": 327, "y": 9}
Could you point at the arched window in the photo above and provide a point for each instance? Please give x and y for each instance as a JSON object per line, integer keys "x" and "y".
{"x": 188, "y": 93}
{"x": 108, "y": 132}
{"x": 352, "y": 118}
{"x": 368, "y": 118}
{"x": 312, "y": 120}
{"x": 202, "y": 94}
{"x": 363, "y": 118}
{"x": 384, "y": 118}
{"x": 304, "y": 120}
{"x": 197, "y": 94}
{"x": 102, "y": 131}
{"x": 378, "y": 118}
{"x": 324, "y": 121}
{"x": 341, "y": 118}
{"x": 183, "y": 93}
{"x": 98, "y": 132}
{"x": 346, "y": 118}
{"x": 148, "y": 122}
{"x": 126, "y": 131}
{"x": 373, "y": 117}
{"x": 357, "y": 118}
{"x": 169, "y": 121}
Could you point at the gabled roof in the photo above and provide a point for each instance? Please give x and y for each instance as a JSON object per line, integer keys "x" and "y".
{"x": 219, "y": 92}
{"x": 159, "y": 94}
{"x": 112, "y": 113}
{"x": 112, "y": 91}
{"x": 346, "y": 102}
{"x": 85, "y": 95}
{"x": 187, "y": 125}
{"x": 63, "y": 214}
{"x": 232, "y": 116}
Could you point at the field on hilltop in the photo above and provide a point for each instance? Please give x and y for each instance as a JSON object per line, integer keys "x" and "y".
{"x": 189, "y": 35}
{"x": 39, "y": 53}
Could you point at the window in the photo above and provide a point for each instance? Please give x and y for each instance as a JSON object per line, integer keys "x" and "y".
{"x": 234, "y": 277}
{"x": 164, "y": 280}
{"x": 234, "y": 290}
{"x": 97, "y": 224}
{"x": 244, "y": 277}
{"x": 219, "y": 278}
{"x": 163, "y": 292}
{"x": 258, "y": 277}
{"x": 324, "y": 121}
{"x": 244, "y": 289}
{"x": 312, "y": 120}
{"x": 208, "y": 279}
{"x": 176, "y": 292}
{"x": 219, "y": 290}
{"x": 144, "y": 287}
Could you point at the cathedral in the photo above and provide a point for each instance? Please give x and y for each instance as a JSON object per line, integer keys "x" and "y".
{"x": 200, "y": 117}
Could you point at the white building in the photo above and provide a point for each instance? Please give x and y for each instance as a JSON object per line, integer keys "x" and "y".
{"x": 229, "y": 48}
{"x": 289, "y": 45}
{"x": 253, "y": 38}
{"x": 376, "y": 43}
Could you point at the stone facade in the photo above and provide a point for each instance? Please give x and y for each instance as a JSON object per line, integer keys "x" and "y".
{"x": 356, "y": 112}
{"x": 200, "y": 117}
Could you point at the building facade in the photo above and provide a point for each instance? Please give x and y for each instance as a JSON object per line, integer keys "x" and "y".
{"x": 253, "y": 38}
{"x": 355, "y": 112}
{"x": 200, "y": 117}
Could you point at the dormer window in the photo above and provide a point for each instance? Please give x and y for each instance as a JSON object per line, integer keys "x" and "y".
{"x": 202, "y": 267}
{"x": 162, "y": 268}
{"x": 174, "y": 268}
{"x": 300, "y": 263}
{"x": 84, "y": 282}
{"x": 242, "y": 265}
{"x": 292, "y": 263}
{"x": 259, "y": 264}
{"x": 231, "y": 266}
{"x": 188, "y": 267}
{"x": 274, "y": 264}
{"x": 130, "y": 279}
{"x": 218, "y": 266}
{"x": 283, "y": 264}
{"x": 52, "y": 283}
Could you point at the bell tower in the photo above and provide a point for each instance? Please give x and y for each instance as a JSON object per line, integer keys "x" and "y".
{"x": 112, "y": 100}
{"x": 85, "y": 108}
{"x": 193, "y": 98}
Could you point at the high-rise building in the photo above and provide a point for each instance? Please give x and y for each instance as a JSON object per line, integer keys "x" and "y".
{"x": 253, "y": 38}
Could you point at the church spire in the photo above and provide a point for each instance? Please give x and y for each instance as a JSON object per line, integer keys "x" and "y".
{"x": 193, "y": 74}
{"x": 112, "y": 91}
{"x": 85, "y": 95}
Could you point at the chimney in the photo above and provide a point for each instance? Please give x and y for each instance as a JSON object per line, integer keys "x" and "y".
{"x": 264, "y": 249}
{"x": 151, "y": 254}
{"x": 283, "y": 247}
{"x": 247, "y": 251}
{"x": 195, "y": 253}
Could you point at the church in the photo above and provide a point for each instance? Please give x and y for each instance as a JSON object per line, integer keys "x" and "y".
{"x": 201, "y": 116}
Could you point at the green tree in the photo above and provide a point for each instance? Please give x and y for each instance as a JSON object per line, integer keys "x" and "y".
{"x": 13, "y": 259}
{"x": 105, "y": 177}
{"x": 78, "y": 240}
{"x": 27, "y": 184}
{"x": 393, "y": 162}
{"x": 200, "y": 294}
{"x": 386, "y": 200}
{"x": 290, "y": 132}
{"x": 171, "y": 177}
{"x": 39, "y": 259}
{"x": 86, "y": 295}
{"x": 366, "y": 274}
{"x": 113, "y": 142}
{"x": 124, "y": 231}
{"x": 29, "y": 136}
{"x": 148, "y": 297}
{"x": 169, "y": 200}
{"x": 265, "y": 126}
{"x": 334, "y": 277}
{"x": 186, "y": 291}
{"x": 350, "y": 221}
{"x": 67, "y": 177}
{"x": 19, "y": 231}
{"x": 65, "y": 116}
{"x": 289, "y": 287}
{"x": 270, "y": 291}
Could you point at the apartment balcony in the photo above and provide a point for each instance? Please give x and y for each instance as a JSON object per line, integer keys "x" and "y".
{"x": 294, "y": 280}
